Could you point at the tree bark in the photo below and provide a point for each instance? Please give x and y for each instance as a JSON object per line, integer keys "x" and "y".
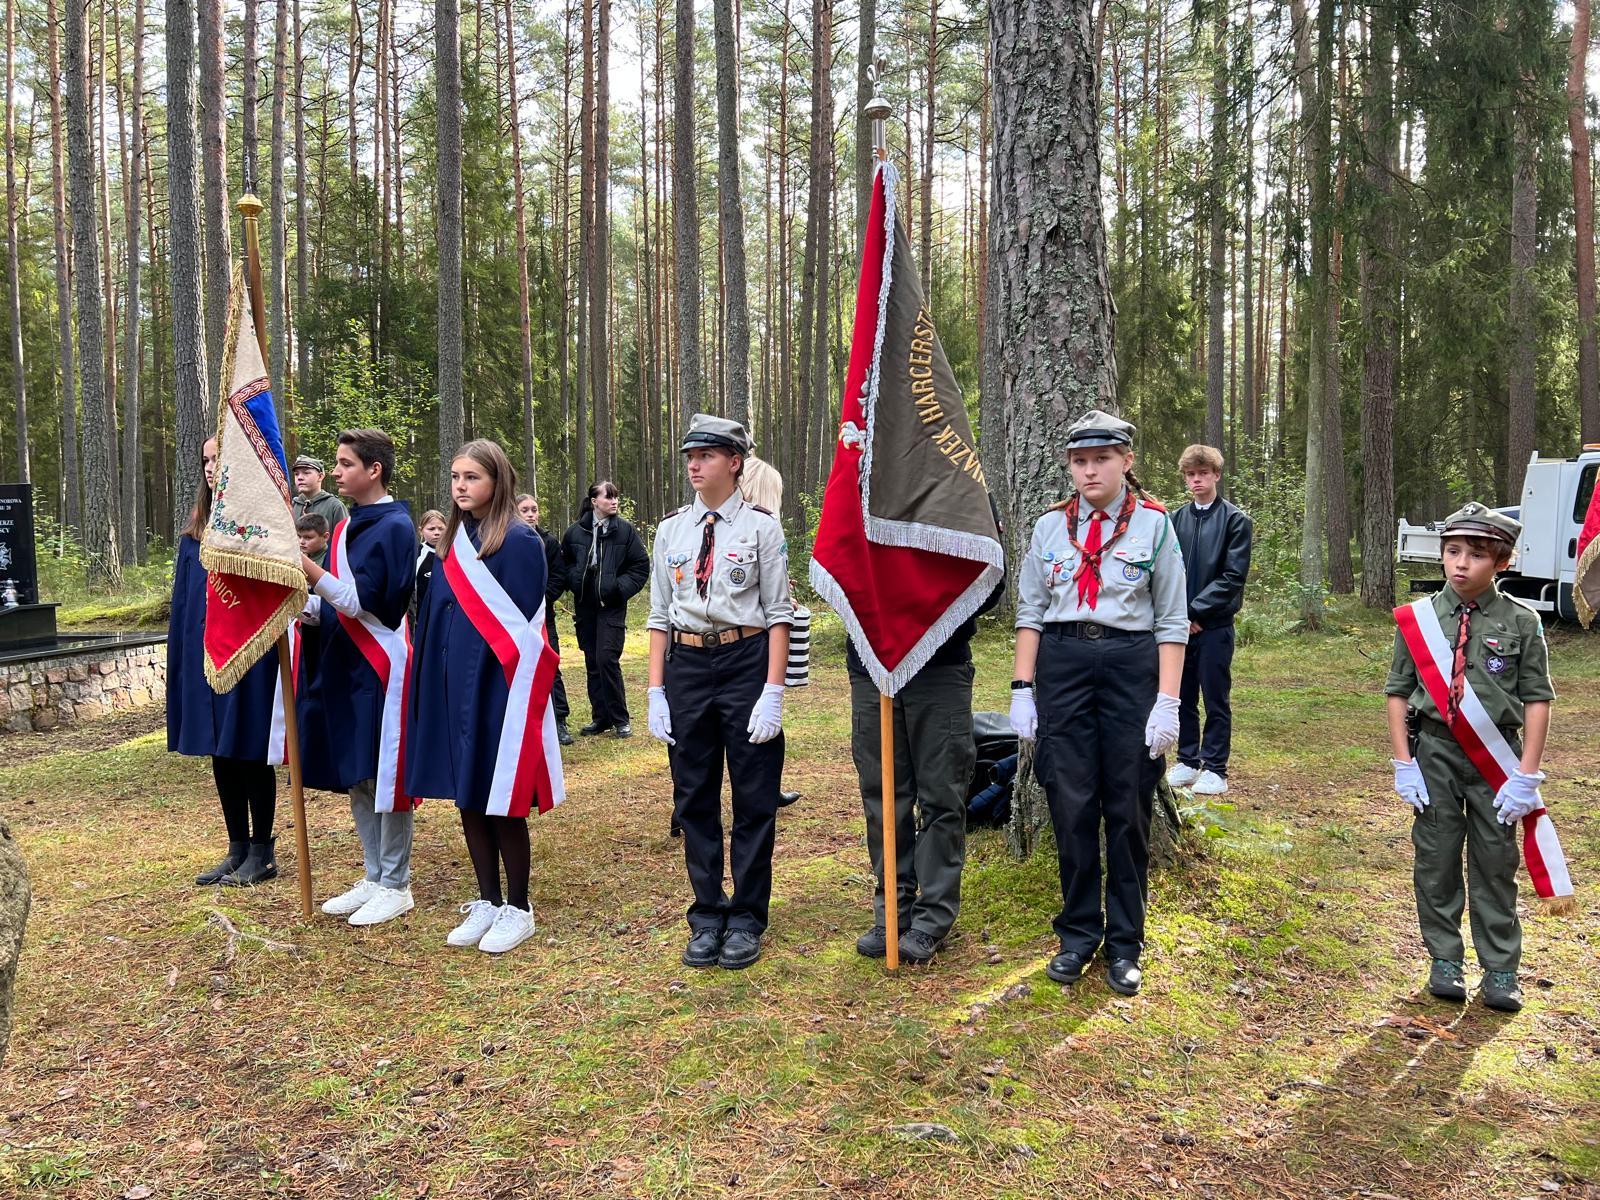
{"x": 1523, "y": 399}
{"x": 582, "y": 476}
{"x": 447, "y": 67}
{"x": 685, "y": 216}
{"x": 71, "y": 481}
{"x": 1379, "y": 300}
{"x": 19, "y": 374}
{"x": 1216, "y": 278}
{"x": 218, "y": 219}
{"x": 600, "y": 231}
{"x": 1048, "y": 350}
{"x": 1316, "y": 85}
{"x": 821, "y": 404}
{"x": 529, "y": 455}
{"x": 1583, "y": 222}
{"x": 866, "y": 51}
{"x": 104, "y": 569}
{"x": 730, "y": 200}
{"x": 302, "y": 248}
{"x": 133, "y": 505}
{"x": 930, "y": 73}
{"x": 277, "y": 217}
{"x": 250, "y": 139}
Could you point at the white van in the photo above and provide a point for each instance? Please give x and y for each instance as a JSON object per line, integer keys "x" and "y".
{"x": 1555, "y": 499}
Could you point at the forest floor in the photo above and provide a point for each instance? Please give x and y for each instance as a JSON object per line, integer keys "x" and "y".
{"x": 175, "y": 1042}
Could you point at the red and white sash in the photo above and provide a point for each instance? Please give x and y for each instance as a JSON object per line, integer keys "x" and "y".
{"x": 527, "y": 765}
{"x": 388, "y": 652}
{"x": 1485, "y": 746}
{"x": 277, "y": 735}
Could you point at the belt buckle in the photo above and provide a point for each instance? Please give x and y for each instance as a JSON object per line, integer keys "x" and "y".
{"x": 710, "y": 640}
{"x": 1092, "y": 631}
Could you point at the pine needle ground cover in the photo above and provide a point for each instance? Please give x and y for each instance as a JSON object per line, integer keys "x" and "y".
{"x": 176, "y": 1042}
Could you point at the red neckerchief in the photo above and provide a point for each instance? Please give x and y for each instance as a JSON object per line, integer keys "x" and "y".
{"x": 1091, "y": 562}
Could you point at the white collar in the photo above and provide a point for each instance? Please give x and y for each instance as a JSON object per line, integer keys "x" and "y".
{"x": 729, "y": 509}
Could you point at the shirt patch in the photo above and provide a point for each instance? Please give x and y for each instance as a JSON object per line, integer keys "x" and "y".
{"x": 1132, "y": 573}
{"x": 737, "y": 576}
{"x": 1494, "y": 664}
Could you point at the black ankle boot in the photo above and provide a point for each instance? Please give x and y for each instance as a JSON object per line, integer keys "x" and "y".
{"x": 258, "y": 867}
{"x": 236, "y": 855}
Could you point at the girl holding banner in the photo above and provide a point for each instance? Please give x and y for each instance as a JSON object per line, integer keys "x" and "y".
{"x": 230, "y": 726}
{"x": 480, "y": 728}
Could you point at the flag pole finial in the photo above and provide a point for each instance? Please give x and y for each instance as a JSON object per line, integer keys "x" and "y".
{"x": 877, "y": 111}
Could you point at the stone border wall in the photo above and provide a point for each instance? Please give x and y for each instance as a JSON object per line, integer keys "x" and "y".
{"x": 100, "y": 681}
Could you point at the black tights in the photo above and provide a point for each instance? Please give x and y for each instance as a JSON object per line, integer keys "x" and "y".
{"x": 249, "y": 794}
{"x": 491, "y": 841}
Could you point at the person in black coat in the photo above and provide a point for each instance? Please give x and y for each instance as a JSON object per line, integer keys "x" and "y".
{"x": 1215, "y": 537}
{"x": 606, "y": 566}
{"x": 555, "y": 587}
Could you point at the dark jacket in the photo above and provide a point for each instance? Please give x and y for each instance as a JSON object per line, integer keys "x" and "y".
{"x": 555, "y": 561}
{"x": 623, "y": 569}
{"x": 1216, "y": 558}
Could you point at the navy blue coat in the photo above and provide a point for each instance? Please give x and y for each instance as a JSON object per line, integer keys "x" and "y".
{"x": 199, "y": 721}
{"x": 341, "y": 705}
{"x": 458, "y": 688}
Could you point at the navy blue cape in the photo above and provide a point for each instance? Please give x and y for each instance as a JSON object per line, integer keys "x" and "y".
{"x": 458, "y": 688}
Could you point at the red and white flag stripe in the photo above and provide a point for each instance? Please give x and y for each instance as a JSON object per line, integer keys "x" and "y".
{"x": 388, "y": 652}
{"x": 1485, "y": 746}
{"x": 527, "y": 768}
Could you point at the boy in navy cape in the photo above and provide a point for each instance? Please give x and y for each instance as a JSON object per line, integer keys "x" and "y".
{"x": 480, "y": 727}
{"x": 352, "y": 707}
{"x": 230, "y": 727}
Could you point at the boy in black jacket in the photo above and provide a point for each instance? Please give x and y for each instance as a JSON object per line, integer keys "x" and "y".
{"x": 1214, "y": 536}
{"x": 606, "y": 567}
{"x": 555, "y": 588}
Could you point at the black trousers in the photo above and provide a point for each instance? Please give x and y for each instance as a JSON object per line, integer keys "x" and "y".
{"x": 600, "y": 637}
{"x": 248, "y": 791}
{"x": 558, "y": 690}
{"x": 1094, "y": 697}
{"x": 1208, "y": 673}
{"x": 710, "y": 693}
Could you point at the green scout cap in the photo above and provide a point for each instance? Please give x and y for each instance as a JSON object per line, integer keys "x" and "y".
{"x": 715, "y": 433}
{"x": 306, "y": 462}
{"x": 1096, "y": 428}
{"x": 1476, "y": 520}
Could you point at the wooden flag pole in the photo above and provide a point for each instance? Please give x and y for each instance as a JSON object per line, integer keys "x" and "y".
{"x": 877, "y": 111}
{"x": 250, "y": 210}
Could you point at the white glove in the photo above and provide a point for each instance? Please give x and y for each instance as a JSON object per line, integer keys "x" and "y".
{"x": 660, "y": 716}
{"x": 1518, "y": 796}
{"x": 1161, "y": 730}
{"x": 766, "y": 718}
{"x": 1409, "y": 784}
{"x": 1024, "y": 714}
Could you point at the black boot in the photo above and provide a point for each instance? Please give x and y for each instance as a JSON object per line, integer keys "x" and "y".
{"x": 260, "y": 866}
{"x": 236, "y": 855}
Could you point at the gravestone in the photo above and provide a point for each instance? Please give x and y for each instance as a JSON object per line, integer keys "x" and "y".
{"x": 17, "y": 561}
{"x": 15, "y": 899}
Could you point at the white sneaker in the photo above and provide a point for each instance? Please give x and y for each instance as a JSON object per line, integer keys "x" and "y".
{"x": 480, "y": 915}
{"x": 1210, "y": 783}
{"x": 1182, "y": 775}
{"x": 385, "y": 905}
{"x": 346, "y": 903}
{"x": 512, "y": 927}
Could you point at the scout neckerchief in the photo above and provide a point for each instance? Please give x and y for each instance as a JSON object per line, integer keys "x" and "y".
{"x": 1484, "y": 745}
{"x": 388, "y": 653}
{"x": 527, "y": 764}
{"x": 1458, "y": 661}
{"x": 1087, "y": 576}
{"x": 702, "y": 564}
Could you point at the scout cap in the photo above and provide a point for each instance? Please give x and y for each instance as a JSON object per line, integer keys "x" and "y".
{"x": 305, "y": 461}
{"x": 1476, "y": 520}
{"x": 1096, "y": 428}
{"x": 715, "y": 433}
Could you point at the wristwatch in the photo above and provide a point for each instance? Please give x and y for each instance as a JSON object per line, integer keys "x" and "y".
{"x": 1018, "y": 684}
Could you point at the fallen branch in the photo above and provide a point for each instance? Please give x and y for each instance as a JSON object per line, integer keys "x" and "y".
{"x": 236, "y": 935}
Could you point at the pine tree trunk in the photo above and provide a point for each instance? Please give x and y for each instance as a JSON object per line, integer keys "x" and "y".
{"x": 71, "y": 475}
{"x": 1248, "y": 300}
{"x": 685, "y": 217}
{"x": 930, "y": 73}
{"x": 1316, "y": 86}
{"x": 1583, "y": 222}
{"x": 250, "y": 138}
{"x": 1048, "y": 328}
{"x": 866, "y": 51}
{"x": 730, "y": 200}
{"x": 582, "y": 476}
{"x": 1379, "y": 299}
{"x": 218, "y": 219}
{"x": 529, "y": 456}
{"x": 600, "y": 231}
{"x": 811, "y": 298}
{"x": 564, "y": 370}
{"x": 302, "y": 249}
{"x": 19, "y": 374}
{"x": 277, "y": 217}
{"x": 821, "y": 403}
{"x": 104, "y": 569}
{"x": 133, "y": 503}
{"x": 1216, "y": 280}
{"x": 447, "y": 65}
{"x": 1523, "y": 398}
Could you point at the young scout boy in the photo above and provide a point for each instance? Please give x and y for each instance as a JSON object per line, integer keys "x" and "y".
{"x": 313, "y": 531}
{"x": 1493, "y": 647}
{"x": 1215, "y": 538}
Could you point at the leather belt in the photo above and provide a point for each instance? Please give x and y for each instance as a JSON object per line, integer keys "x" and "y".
{"x": 717, "y": 637}
{"x": 1092, "y": 632}
{"x": 1439, "y": 729}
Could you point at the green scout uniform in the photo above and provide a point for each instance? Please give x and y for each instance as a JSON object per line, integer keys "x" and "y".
{"x": 1508, "y": 668}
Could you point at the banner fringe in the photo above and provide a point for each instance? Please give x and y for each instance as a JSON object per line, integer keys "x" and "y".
{"x": 1558, "y": 906}
{"x": 226, "y": 677}
{"x": 1588, "y": 561}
